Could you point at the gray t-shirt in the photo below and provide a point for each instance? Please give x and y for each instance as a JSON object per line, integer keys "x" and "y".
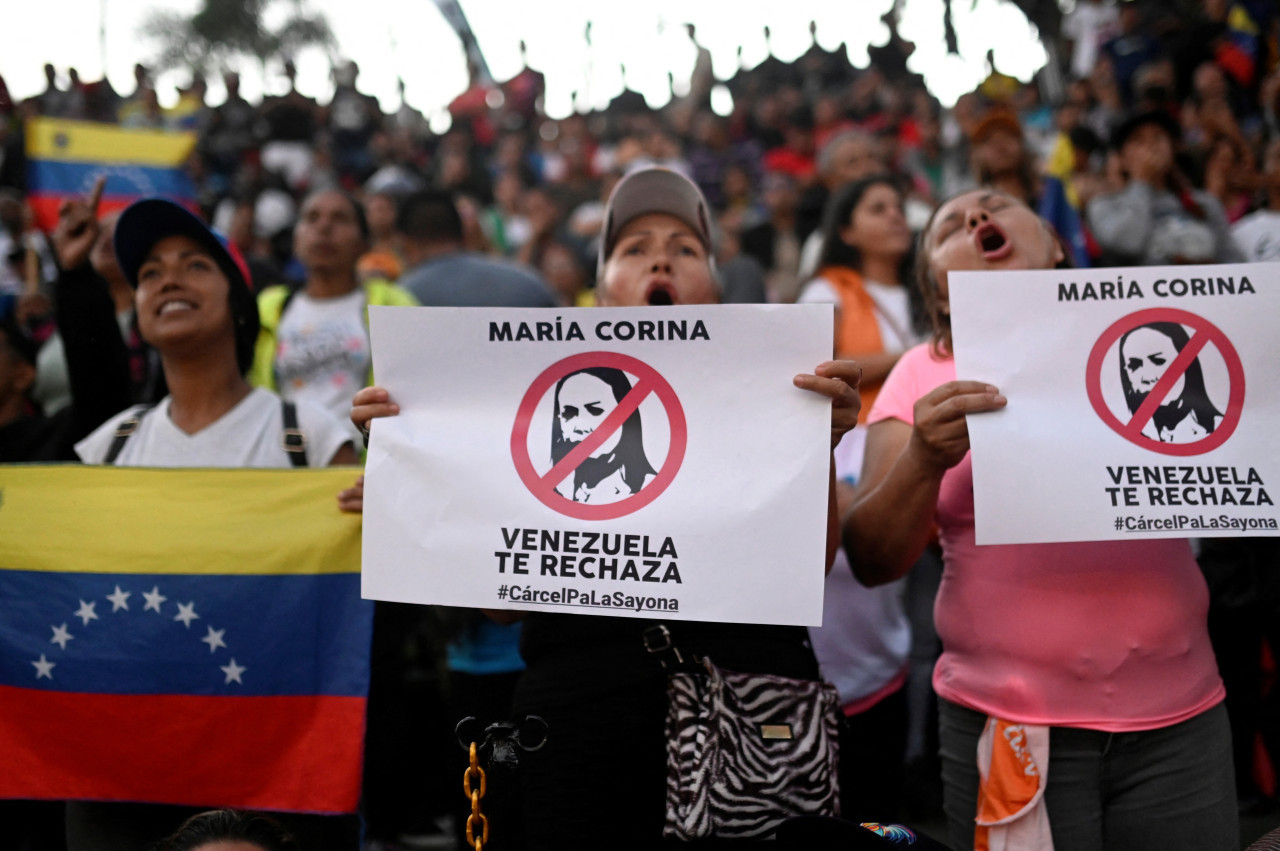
{"x": 466, "y": 279}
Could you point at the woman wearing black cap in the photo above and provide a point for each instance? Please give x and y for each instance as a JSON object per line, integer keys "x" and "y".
{"x": 1157, "y": 218}
{"x": 196, "y": 308}
{"x": 602, "y": 775}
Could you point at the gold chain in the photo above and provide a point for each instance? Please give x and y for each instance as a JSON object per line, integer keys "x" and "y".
{"x": 474, "y": 794}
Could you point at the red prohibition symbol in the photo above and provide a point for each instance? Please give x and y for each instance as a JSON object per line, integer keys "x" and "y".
{"x": 1202, "y": 333}
{"x": 648, "y": 381}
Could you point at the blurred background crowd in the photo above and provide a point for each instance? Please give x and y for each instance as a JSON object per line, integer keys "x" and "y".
{"x": 1174, "y": 105}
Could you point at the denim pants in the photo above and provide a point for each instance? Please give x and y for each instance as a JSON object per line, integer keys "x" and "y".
{"x": 1155, "y": 789}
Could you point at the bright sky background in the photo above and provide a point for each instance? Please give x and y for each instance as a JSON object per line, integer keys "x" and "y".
{"x": 410, "y": 39}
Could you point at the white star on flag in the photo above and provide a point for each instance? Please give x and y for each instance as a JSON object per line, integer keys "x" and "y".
{"x": 233, "y": 672}
{"x": 86, "y": 611}
{"x": 154, "y": 598}
{"x": 61, "y": 636}
{"x": 186, "y": 614}
{"x": 120, "y": 599}
{"x": 44, "y": 668}
{"x": 214, "y": 639}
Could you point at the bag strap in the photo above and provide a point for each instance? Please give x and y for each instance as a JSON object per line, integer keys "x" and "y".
{"x": 658, "y": 641}
{"x": 126, "y": 429}
{"x": 292, "y": 439}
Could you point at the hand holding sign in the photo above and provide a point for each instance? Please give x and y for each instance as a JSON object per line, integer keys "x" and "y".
{"x": 369, "y": 404}
{"x": 838, "y": 380}
{"x": 941, "y": 433}
{"x": 77, "y": 228}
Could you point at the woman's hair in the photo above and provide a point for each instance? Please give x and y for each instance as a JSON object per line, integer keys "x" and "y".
{"x": 217, "y": 825}
{"x": 839, "y": 214}
{"x": 927, "y": 283}
{"x": 627, "y": 455}
{"x": 1194, "y": 399}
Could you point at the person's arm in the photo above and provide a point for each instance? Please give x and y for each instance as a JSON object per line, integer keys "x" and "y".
{"x": 97, "y": 357}
{"x": 876, "y": 366}
{"x": 891, "y": 520}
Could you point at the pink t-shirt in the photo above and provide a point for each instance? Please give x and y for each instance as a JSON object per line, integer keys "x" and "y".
{"x": 1107, "y": 635}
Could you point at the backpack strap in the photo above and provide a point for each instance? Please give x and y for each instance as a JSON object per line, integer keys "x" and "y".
{"x": 293, "y": 440}
{"x": 126, "y": 429}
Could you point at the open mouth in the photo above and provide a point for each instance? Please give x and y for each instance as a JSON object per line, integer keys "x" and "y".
{"x": 660, "y": 295}
{"x": 992, "y": 242}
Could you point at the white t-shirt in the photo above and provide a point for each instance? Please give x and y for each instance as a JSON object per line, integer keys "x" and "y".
{"x": 1258, "y": 235}
{"x": 865, "y": 638}
{"x": 893, "y": 318}
{"x": 893, "y": 310}
{"x": 249, "y": 435}
{"x": 322, "y": 352}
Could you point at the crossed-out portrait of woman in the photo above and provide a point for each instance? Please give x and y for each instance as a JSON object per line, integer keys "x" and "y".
{"x": 1145, "y": 355}
{"x": 618, "y": 467}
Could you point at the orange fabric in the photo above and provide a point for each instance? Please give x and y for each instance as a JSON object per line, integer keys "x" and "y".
{"x": 1010, "y": 784}
{"x": 857, "y": 331}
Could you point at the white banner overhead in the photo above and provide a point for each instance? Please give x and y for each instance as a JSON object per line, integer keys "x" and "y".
{"x": 1143, "y": 402}
{"x": 602, "y": 461}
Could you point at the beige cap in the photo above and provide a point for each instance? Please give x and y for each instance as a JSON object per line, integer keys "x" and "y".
{"x": 654, "y": 190}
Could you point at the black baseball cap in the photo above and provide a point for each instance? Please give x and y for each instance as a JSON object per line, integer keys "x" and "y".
{"x": 146, "y": 222}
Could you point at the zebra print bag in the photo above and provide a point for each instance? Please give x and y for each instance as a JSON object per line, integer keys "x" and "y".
{"x": 746, "y": 751}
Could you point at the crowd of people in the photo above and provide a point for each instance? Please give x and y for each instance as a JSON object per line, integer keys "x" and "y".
{"x": 147, "y": 338}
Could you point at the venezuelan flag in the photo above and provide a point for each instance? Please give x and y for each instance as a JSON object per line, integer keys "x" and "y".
{"x": 189, "y": 637}
{"x": 65, "y": 157}
{"x": 1237, "y": 52}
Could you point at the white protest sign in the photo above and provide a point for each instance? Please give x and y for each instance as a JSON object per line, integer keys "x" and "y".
{"x": 642, "y": 462}
{"x": 1143, "y": 403}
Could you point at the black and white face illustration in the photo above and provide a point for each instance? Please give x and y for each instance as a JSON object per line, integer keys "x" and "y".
{"x": 584, "y": 402}
{"x": 1145, "y": 354}
{"x": 1185, "y": 413}
{"x": 618, "y": 467}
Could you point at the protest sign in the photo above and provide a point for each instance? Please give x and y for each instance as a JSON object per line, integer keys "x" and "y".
{"x": 1143, "y": 402}
{"x": 643, "y": 462}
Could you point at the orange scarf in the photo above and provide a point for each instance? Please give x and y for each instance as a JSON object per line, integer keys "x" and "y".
{"x": 857, "y": 331}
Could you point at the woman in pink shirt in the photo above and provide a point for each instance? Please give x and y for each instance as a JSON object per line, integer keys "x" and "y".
{"x": 1102, "y": 645}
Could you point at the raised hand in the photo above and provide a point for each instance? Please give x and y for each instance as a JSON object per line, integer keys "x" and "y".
{"x": 77, "y": 228}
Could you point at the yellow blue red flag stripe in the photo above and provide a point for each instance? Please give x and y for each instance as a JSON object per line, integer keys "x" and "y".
{"x": 181, "y": 636}
{"x": 65, "y": 157}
